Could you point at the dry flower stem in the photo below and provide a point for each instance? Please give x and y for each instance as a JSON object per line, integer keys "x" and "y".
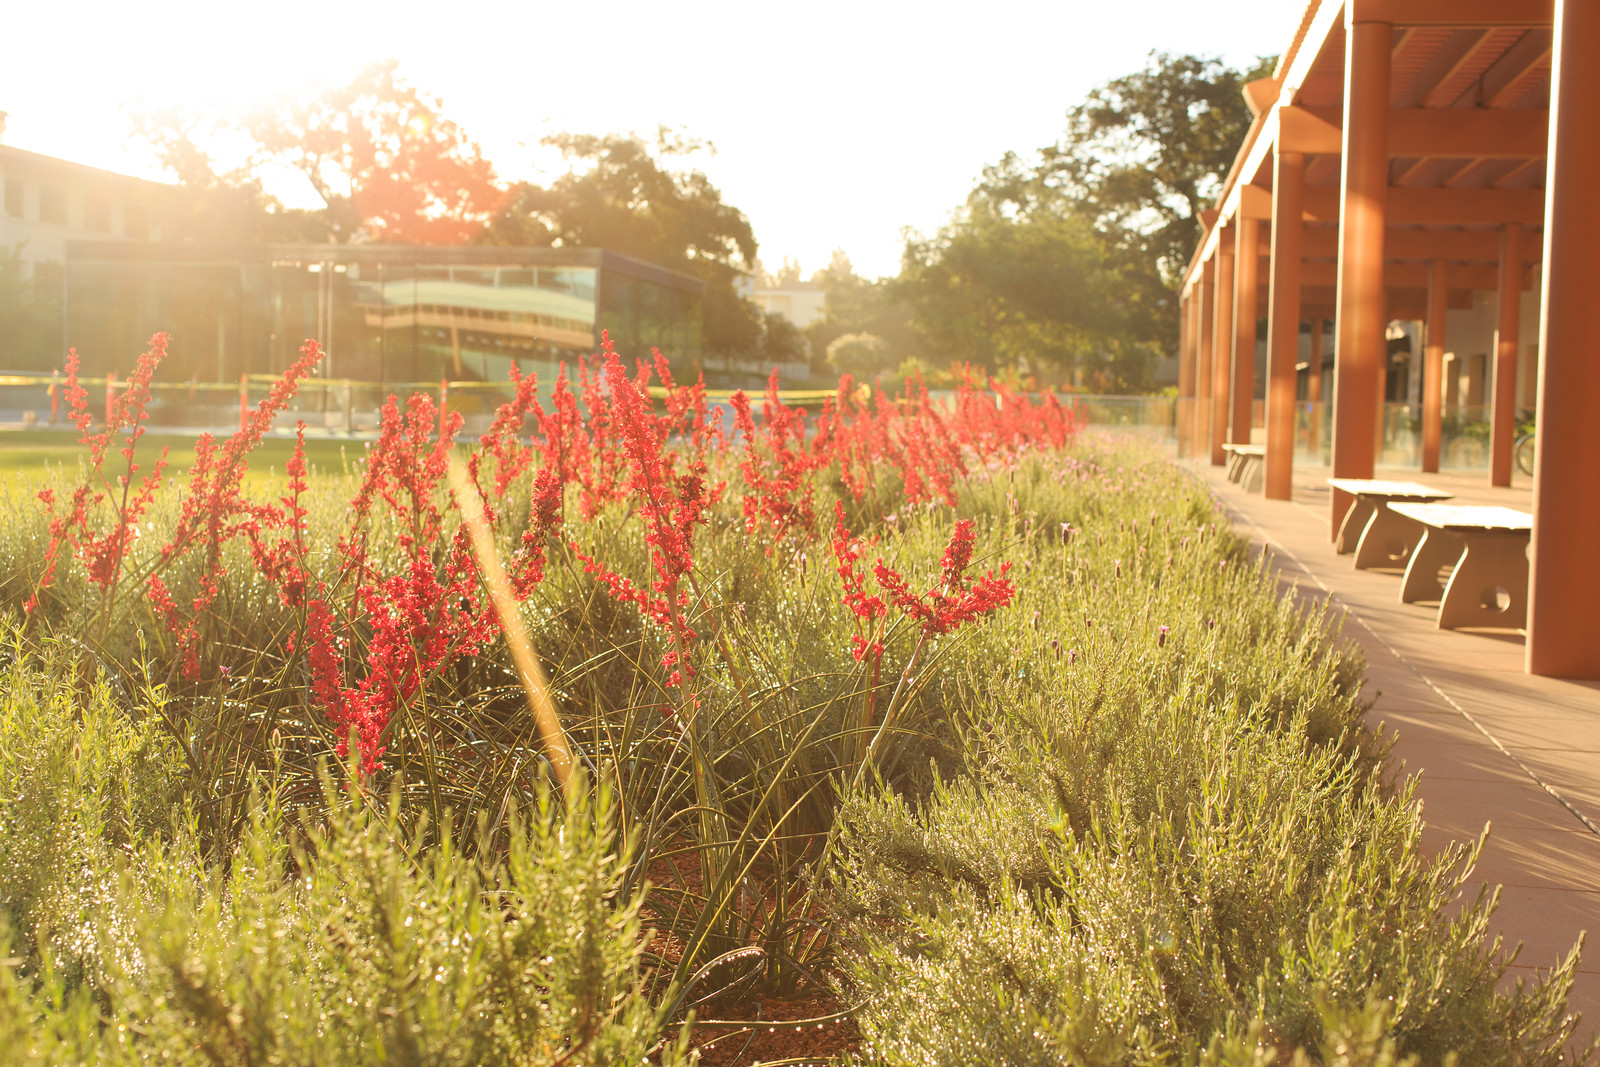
{"x": 534, "y": 682}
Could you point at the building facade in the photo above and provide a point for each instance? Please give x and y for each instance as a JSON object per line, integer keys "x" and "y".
{"x": 46, "y": 202}
{"x": 384, "y": 313}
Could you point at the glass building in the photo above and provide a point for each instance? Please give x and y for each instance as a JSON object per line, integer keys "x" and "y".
{"x": 394, "y": 315}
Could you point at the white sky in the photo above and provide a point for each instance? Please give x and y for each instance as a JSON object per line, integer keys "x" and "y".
{"x": 837, "y": 124}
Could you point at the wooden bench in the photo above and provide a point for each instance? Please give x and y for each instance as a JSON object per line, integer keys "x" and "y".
{"x": 1378, "y": 536}
{"x": 1245, "y": 463}
{"x": 1487, "y": 549}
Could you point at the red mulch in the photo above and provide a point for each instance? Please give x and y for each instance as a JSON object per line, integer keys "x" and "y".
{"x": 735, "y": 1046}
{"x": 725, "y": 1046}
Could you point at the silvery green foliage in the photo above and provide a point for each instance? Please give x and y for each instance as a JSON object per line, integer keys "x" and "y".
{"x": 338, "y": 941}
{"x": 1168, "y": 837}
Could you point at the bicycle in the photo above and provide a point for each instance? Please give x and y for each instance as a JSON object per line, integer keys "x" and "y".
{"x": 1523, "y": 450}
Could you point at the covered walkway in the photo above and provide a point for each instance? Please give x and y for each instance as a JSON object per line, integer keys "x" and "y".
{"x": 1410, "y": 157}
{"x": 1492, "y": 743}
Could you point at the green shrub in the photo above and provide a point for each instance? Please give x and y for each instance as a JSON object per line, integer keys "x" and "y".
{"x": 1168, "y": 837}
{"x": 338, "y": 940}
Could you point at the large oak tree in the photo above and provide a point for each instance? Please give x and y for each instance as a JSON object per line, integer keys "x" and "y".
{"x": 1071, "y": 258}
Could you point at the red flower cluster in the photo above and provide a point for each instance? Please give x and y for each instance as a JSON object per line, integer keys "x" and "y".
{"x": 671, "y": 506}
{"x": 957, "y": 600}
{"x": 867, "y": 608}
{"x": 779, "y": 500}
{"x": 377, "y": 629}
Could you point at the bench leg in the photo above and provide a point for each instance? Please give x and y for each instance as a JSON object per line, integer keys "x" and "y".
{"x": 1355, "y": 520}
{"x": 1388, "y": 540}
{"x": 1235, "y": 467}
{"x": 1494, "y": 566}
{"x": 1250, "y": 478}
{"x": 1437, "y": 550}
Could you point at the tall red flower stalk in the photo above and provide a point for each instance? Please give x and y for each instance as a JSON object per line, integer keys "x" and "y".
{"x": 866, "y": 644}
{"x": 416, "y": 624}
{"x": 778, "y": 475}
{"x": 503, "y": 440}
{"x": 103, "y": 553}
{"x": 215, "y": 509}
{"x": 283, "y": 561}
{"x": 957, "y": 599}
{"x": 670, "y": 507}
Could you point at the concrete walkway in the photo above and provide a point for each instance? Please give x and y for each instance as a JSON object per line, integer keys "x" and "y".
{"x": 1492, "y": 744}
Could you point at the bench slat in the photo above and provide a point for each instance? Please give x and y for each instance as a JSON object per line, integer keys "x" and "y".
{"x": 1465, "y": 517}
{"x": 1374, "y": 487}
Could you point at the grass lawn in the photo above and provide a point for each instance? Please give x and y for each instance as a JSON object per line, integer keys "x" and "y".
{"x": 31, "y": 453}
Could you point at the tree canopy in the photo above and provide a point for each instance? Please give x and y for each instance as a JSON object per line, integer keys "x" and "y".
{"x": 621, "y": 194}
{"x": 389, "y": 165}
{"x": 1069, "y": 259}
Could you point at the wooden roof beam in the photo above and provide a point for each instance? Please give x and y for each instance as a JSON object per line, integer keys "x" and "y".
{"x": 1440, "y": 207}
{"x": 1402, "y": 303}
{"x": 1415, "y": 275}
{"x": 1447, "y": 89}
{"x": 1513, "y": 74}
{"x": 1479, "y": 133}
{"x": 1470, "y": 246}
{"x": 1529, "y": 13}
{"x": 1518, "y": 171}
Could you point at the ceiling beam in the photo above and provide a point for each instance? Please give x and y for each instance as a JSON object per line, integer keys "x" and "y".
{"x": 1401, "y": 303}
{"x": 1518, "y": 171}
{"x": 1440, "y": 207}
{"x": 1513, "y": 74}
{"x": 1455, "y": 78}
{"x": 1468, "y": 246}
{"x": 1464, "y": 132}
{"x": 1416, "y": 168}
{"x": 1452, "y": 12}
{"x": 1415, "y": 275}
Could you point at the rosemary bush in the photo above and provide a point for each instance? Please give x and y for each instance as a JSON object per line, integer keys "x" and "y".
{"x": 1168, "y": 837}
{"x": 343, "y": 940}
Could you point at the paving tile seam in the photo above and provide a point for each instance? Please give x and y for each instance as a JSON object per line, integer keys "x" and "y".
{"x": 1351, "y": 611}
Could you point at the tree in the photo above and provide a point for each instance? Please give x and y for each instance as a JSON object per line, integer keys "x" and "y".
{"x": 1145, "y": 153}
{"x": 621, "y": 195}
{"x": 782, "y": 341}
{"x": 385, "y": 161}
{"x": 788, "y": 274}
{"x": 1071, "y": 260}
{"x": 213, "y": 204}
{"x": 1034, "y": 292}
{"x": 858, "y": 305}
{"x": 863, "y": 355}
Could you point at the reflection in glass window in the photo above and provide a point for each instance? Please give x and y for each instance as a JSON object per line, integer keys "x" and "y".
{"x": 390, "y": 315}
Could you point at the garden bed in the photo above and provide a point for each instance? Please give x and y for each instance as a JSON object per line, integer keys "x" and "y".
{"x": 943, "y": 733}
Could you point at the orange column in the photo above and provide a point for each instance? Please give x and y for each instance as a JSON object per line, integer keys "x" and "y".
{"x": 1359, "y": 351}
{"x": 1283, "y": 321}
{"x": 1199, "y": 293}
{"x": 1205, "y": 312}
{"x": 1185, "y": 371}
{"x": 1564, "y": 585}
{"x": 1507, "y": 327}
{"x": 1433, "y": 367}
{"x": 1221, "y": 346}
{"x": 1246, "y": 277}
{"x": 1314, "y": 388}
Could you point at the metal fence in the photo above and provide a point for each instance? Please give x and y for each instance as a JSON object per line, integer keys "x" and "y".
{"x": 347, "y": 406}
